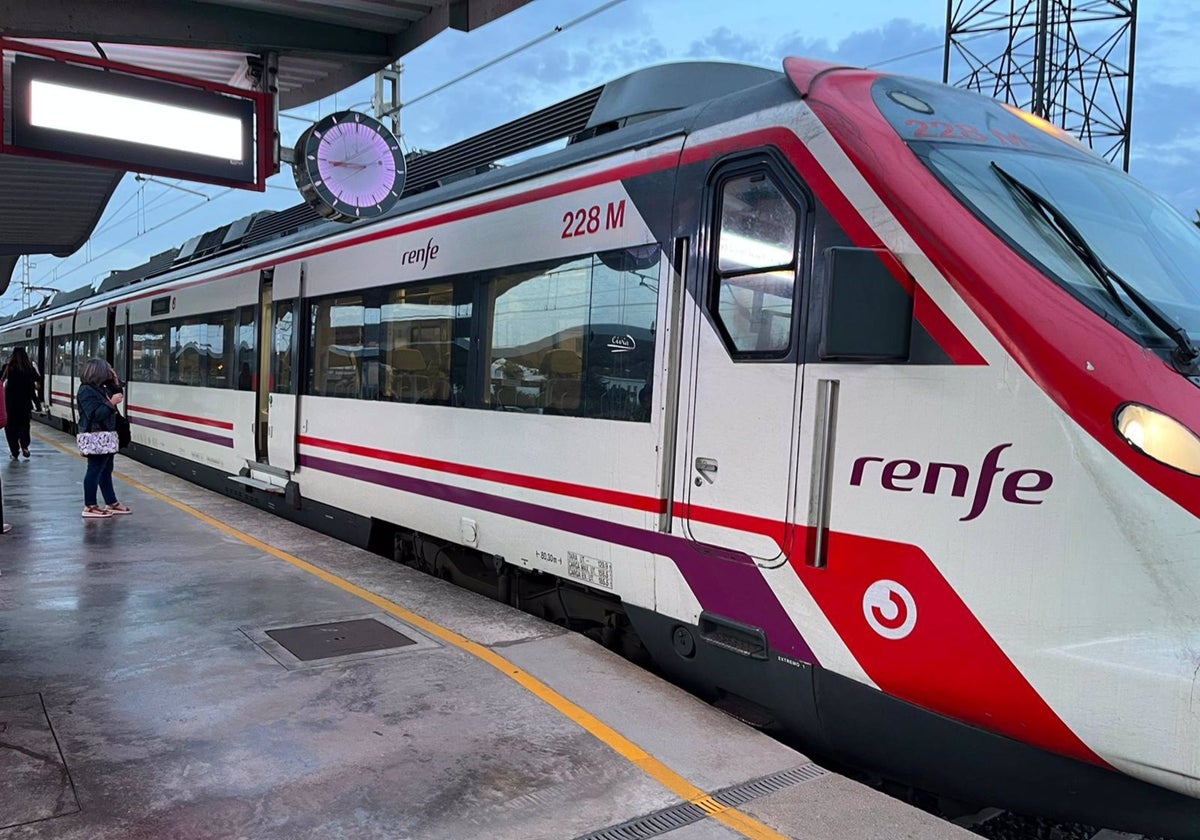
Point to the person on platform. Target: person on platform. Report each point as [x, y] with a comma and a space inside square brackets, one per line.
[97, 404]
[4, 526]
[22, 394]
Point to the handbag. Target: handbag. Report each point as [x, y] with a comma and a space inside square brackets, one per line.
[123, 435]
[97, 443]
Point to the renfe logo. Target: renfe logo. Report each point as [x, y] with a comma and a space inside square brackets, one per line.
[904, 475]
[890, 609]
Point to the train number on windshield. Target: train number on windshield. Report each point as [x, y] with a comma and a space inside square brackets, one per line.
[593, 219]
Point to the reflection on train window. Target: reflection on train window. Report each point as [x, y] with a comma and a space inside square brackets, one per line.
[119, 355]
[756, 266]
[151, 352]
[338, 348]
[199, 350]
[284, 339]
[573, 338]
[402, 344]
[247, 361]
[62, 355]
[421, 361]
[87, 345]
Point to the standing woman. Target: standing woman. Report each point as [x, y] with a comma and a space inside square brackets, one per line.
[98, 413]
[4, 526]
[22, 387]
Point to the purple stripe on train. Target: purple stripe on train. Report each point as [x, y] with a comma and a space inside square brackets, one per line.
[182, 430]
[726, 583]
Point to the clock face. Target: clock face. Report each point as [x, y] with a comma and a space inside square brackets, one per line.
[349, 167]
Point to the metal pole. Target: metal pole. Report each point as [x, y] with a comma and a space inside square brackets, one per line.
[949, 41]
[1040, 60]
[1129, 88]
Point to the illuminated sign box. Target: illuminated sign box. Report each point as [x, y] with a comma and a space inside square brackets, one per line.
[144, 124]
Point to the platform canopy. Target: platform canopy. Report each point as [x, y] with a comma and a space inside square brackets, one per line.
[323, 46]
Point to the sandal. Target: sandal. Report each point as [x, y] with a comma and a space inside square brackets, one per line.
[119, 509]
[94, 512]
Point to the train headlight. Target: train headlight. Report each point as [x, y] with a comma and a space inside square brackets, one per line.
[1155, 434]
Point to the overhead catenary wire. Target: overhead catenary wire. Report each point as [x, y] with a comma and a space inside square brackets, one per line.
[161, 201]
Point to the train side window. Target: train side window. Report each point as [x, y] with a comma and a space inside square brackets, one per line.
[62, 355]
[755, 265]
[246, 352]
[119, 353]
[199, 350]
[151, 352]
[574, 337]
[283, 348]
[422, 361]
[338, 349]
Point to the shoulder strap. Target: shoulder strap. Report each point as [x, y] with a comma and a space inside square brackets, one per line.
[86, 416]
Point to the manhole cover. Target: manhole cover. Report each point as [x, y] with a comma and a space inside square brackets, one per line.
[339, 638]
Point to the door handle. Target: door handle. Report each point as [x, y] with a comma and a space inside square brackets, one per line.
[707, 467]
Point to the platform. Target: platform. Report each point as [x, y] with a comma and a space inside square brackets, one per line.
[202, 669]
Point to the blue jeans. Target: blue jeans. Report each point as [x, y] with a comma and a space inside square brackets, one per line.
[99, 474]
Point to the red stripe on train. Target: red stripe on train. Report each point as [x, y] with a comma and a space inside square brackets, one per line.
[188, 418]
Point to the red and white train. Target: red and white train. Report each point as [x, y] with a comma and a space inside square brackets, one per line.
[867, 406]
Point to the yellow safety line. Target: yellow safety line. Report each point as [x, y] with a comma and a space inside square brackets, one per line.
[744, 824]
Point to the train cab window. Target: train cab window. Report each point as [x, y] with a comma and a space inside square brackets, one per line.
[755, 266]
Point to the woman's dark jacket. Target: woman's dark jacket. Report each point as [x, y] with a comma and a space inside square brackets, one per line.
[21, 394]
[96, 413]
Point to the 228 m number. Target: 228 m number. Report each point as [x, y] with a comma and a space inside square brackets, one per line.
[587, 220]
[963, 131]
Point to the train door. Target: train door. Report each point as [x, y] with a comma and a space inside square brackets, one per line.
[44, 385]
[266, 326]
[741, 394]
[281, 320]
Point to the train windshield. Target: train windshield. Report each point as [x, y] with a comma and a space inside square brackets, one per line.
[1083, 222]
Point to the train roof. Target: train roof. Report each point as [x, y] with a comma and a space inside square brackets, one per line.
[640, 107]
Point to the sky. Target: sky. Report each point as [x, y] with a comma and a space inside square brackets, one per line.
[459, 84]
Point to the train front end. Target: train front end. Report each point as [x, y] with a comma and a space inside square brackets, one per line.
[1046, 494]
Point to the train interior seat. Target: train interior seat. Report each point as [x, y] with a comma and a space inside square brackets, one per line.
[410, 380]
[563, 370]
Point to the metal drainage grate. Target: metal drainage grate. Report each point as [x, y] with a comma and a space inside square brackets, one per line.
[340, 638]
[677, 816]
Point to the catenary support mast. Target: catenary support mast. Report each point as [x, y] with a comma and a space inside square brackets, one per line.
[1069, 61]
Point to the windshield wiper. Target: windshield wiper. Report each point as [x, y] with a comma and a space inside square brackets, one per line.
[1185, 355]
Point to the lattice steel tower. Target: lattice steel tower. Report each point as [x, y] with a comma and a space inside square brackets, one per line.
[1068, 61]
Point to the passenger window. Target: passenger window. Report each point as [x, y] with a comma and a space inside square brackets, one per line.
[338, 348]
[756, 263]
[198, 351]
[119, 354]
[150, 352]
[575, 337]
[62, 355]
[422, 360]
[247, 361]
[284, 339]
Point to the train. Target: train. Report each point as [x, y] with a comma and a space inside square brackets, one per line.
[862, 406]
